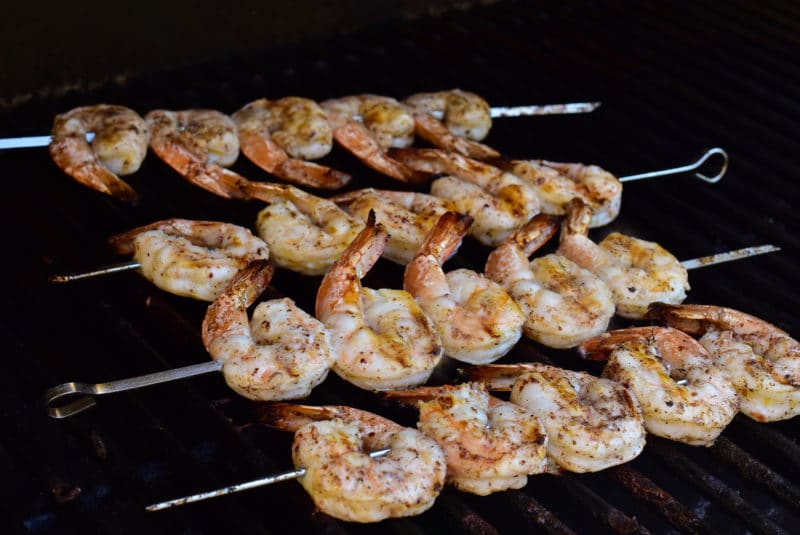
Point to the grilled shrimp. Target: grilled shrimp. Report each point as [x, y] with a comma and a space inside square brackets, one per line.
[333, 444]
[466, 120]
[406, 215]
[592, 423]
[638, 272]
[490, 445]
[282, 353]
[118, 147]
[477, 320]
[498, 202]
[654, 362]
[763, 361]
[563, 303]
[279, 135]
[191, 258]
[198, 144]
[383, 338]
[556, 184]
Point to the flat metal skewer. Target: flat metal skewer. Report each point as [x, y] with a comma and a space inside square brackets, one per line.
[687, 168]
[268, 480]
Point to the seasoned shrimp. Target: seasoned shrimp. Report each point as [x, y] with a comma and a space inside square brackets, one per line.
[383, 338]
[279, 135]
[498, 202]
[490, 445]
[592, 423]
[118, 147]
[282, 353]
[332, 443]
[762, 360]
[191, 258]
[466, 120]
[556, 184]
[638, 272]
[406, 215]
[684, 396]
[563, 303]
[477, 320]
[198, 144]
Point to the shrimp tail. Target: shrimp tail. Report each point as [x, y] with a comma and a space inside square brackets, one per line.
[579, 216]
[535, 233]
[412, 396]
[499, 377]
[88, 171]
[251, 281]
[292, 416]
[446, 236]
[692, 319]
[311, 174]
[435, 132]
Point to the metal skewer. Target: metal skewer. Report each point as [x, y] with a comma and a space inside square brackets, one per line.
[687, 168]
[269, 480]
[502, 111]
[719, 258]
[114, 268]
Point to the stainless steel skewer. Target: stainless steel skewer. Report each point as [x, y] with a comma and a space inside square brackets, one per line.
[687, 168]
[114, 268]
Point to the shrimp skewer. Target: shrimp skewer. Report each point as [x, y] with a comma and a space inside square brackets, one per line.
[683, 394]
[118, 148]
[592, 423]
[762, 360]
[280, 135]
[478, 321]
[331, 444]
[383, 338]
[490, 445]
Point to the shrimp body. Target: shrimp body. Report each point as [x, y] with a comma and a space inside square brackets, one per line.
[638, 272]
[762, 360]
[282, 353]
[650, 361]
[478, 321]
[191, 258]
[383, 338]
[490, 445]
[118, 148]
[391, 123]
[556, 184]
[333, 444]
[279, 135]
[563, 303]
[592, 423]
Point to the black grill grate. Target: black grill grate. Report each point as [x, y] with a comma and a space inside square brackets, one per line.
[672, 82]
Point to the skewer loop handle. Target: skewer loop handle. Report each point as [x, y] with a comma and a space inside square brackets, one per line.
[688, 168]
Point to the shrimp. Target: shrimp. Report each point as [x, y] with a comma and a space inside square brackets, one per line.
[282, 353]
[198, 144]
[383, 338]
[279, 135]
[190, 258]
[407, 216]
[477, 320]
[762, 360]
[466, 120]
[332, 443]
[498, 202]
[683, 394]
[558, 183]
[563, 303]
[592, 423]
[118, 148]
[490, 445]
[638, 272]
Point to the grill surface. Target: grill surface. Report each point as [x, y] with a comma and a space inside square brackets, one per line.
[672, 83]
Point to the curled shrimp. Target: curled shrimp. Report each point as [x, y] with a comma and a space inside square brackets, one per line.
[198, 144]
[490, 445]
[498, 202]
[332, 443]
[191, 258]
[563, 303]
[384, 339]
[683, 394]
[638, 272]
[556, 184]
[592, 423]
[281, 353]
[406, 215]
[118, 148]
[762, 360]
[466, 120]
[279, 135]
[477, 320]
